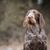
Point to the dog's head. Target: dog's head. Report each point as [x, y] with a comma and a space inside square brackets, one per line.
[33, 17]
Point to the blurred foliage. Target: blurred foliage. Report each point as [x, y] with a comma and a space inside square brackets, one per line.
[12, 13]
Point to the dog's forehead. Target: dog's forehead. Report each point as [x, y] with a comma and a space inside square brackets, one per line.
[30, 13]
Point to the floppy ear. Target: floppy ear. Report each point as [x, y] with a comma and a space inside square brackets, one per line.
[25, 22]
[41, 21]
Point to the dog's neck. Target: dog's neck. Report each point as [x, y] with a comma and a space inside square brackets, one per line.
[34, 29]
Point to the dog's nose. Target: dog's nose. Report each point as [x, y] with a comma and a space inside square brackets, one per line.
[29, 17]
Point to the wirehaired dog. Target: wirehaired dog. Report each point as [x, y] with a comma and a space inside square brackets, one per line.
[35, 37]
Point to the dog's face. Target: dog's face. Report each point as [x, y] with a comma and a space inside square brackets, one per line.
[33, 17]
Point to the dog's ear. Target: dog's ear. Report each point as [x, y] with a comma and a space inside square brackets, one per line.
[41, 21]
[25, 21]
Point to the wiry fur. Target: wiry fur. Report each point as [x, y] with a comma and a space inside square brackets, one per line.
[35, 37]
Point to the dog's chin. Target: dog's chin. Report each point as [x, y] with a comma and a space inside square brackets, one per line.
[31, 23]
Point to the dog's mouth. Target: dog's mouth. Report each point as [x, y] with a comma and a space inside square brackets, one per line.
[31, 22]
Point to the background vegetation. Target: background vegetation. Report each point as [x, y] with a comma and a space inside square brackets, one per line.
[12, 13]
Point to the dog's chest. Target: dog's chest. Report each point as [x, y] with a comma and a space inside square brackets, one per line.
[34, 30]
[32, 33]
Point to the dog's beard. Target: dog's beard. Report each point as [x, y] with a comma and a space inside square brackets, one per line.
[31, 22]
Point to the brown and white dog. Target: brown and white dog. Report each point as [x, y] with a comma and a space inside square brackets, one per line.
[35, 37]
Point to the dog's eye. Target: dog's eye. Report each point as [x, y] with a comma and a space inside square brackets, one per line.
[33, 11]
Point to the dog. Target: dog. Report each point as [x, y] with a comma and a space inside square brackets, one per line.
[35, 37]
